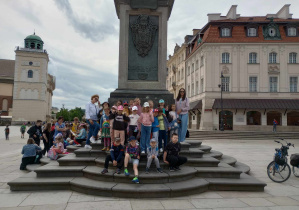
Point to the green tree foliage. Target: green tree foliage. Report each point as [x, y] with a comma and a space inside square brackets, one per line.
[69, 115]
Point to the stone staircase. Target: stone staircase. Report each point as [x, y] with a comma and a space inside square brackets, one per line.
[80, 171]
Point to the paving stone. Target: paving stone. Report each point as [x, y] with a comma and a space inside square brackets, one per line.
[207, 195]
[257, 202]
[246, 208]
[81, 198]
[284, 208]
[17, 208]
[105, 205]
[146, 204]
[44, 198]
[53, 206]
[296, 197]
[218, 203]
[238, 194]
[12, 200]
[281, 190]
[177, 204]
[283, 201]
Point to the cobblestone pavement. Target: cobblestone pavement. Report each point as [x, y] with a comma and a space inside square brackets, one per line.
[256, 154]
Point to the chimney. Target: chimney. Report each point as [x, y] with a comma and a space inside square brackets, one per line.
[213, 16]
[195, 31]
[284, 12]
[232, 13]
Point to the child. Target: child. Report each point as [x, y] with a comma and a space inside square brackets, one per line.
[119, 124]
[116, 156]
[171, 154]
[29, 154]
[132, 156]
[113, 110]
[75, 125]
[7, 132]
[156, 125]
[22, 130]
[126, 108]
[152, 154]
[133, 127]
[174, 126]
[105, 129]
[146, 119]
[81, 136]
[164, 127]
[151, 105]
[59, 148]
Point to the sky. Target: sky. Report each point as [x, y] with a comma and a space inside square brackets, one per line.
[82, 37]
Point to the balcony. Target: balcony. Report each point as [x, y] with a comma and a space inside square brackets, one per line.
[30, 50]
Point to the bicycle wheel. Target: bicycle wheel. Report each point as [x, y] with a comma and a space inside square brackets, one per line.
[278, 173]
[296, 171]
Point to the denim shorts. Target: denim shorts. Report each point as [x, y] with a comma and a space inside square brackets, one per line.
[134, 161]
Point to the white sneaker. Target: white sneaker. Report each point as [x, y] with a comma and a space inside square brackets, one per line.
[92, 140]
[143, 152]
[78, 145]
[88, 147]
[161, 150]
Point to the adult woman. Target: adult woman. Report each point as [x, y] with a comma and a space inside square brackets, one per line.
[29, 152]
[91, 115]
[46, 137]
[182, 108]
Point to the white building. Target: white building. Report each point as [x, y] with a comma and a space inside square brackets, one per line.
[258, 57]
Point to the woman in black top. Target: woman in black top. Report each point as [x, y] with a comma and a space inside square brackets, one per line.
[46, 138]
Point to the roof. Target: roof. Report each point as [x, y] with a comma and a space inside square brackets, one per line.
[257, 104]
[7, 68]
[256, 19]
[34, 37]
[195, 105]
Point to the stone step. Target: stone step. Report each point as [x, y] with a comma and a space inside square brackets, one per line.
[245, 183]
[222, 171]
[228, 160]
[194, 143]
[243, 167]
[59, 171]
[215, 154]
[82, 152]
[32, 167]
[72, 160]
[72, 149]
[205, 148]
[154, 177]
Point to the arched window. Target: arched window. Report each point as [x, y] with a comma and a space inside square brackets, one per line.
[38, 46]
[225, 57]
[293, 57]
[32, 45]
[272, 57]
[5, 105]
[273, 115]
[252, 57]
[30, 74]
[253, 118]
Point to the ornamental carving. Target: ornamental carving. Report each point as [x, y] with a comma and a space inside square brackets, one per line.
[143, 34]
[225, 70]
[273, 69]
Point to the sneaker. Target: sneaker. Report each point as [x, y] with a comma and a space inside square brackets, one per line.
[108, 149]
[171, 169]
[78, 145]
[177, 168]
[135, 180]
[126, 172]
[105, 170]
[87, 147]
[104, 149]
[117, 171]
[92, 140]
[161, 150]
[159, 170]
[147, 170]
[143, 152]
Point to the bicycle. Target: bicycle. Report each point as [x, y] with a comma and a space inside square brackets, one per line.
[279, 170]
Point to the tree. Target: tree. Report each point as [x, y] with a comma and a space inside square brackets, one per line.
[77, 112]
[64, 113]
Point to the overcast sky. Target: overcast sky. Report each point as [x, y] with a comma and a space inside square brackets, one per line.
[81, 37]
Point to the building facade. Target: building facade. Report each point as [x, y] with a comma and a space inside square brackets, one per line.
[28, 84]
[254, 61]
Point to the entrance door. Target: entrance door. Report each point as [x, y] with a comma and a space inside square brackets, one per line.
[227, 120]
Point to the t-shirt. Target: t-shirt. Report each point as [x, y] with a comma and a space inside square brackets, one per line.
[173, 115]
[23, 128]
[155, 124]
[6, 130]
[75, 127]
[56, 131]
[61, 147]
[134, 152]
[133, 119]
[161, 122]
[47, 133]
[173, 149]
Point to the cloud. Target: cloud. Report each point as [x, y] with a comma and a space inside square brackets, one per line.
[87, 27]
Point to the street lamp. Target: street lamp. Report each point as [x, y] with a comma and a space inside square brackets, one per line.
[221, 101]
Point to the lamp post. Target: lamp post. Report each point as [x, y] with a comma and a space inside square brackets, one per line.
[221, 101]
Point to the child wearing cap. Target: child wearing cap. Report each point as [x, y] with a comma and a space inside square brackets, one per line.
[155, 125]
[133, 127]
[146, 119]
[119, 123]
[126, 108]
[132, 156]
[164, 127]
[152, 154]
[105, 129]
[116, 156]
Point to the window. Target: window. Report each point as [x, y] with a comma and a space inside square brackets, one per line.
[167, 83]
[273, 84]
[30, 74]
[32, 45]
[225, 84]
[192, 70]
[293, 58]
[179, 76]
[272, 57]
[292, 31]
[225, 32]
[225, 57]
[189, 95]
[5, 105]
[197, 87]
[252, 58]
[182, 75]
[252, 84]
[201, 86]
[192, 89]
[196, 65]
[293, 84]
[188, 70]
[251, 31]
[201, 61]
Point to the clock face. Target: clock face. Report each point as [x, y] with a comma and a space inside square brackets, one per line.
[272, 32]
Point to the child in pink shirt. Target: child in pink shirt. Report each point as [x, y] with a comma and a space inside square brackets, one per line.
[146, 119]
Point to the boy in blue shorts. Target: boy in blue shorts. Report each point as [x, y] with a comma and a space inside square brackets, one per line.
[132, 156]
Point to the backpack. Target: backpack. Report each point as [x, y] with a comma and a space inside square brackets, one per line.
[52, 155]
[294, 160]
[23, 129]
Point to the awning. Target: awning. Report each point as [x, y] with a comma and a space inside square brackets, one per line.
[257, 104]
[195, 105]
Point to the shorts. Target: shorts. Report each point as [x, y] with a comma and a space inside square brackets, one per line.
[134, 161]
